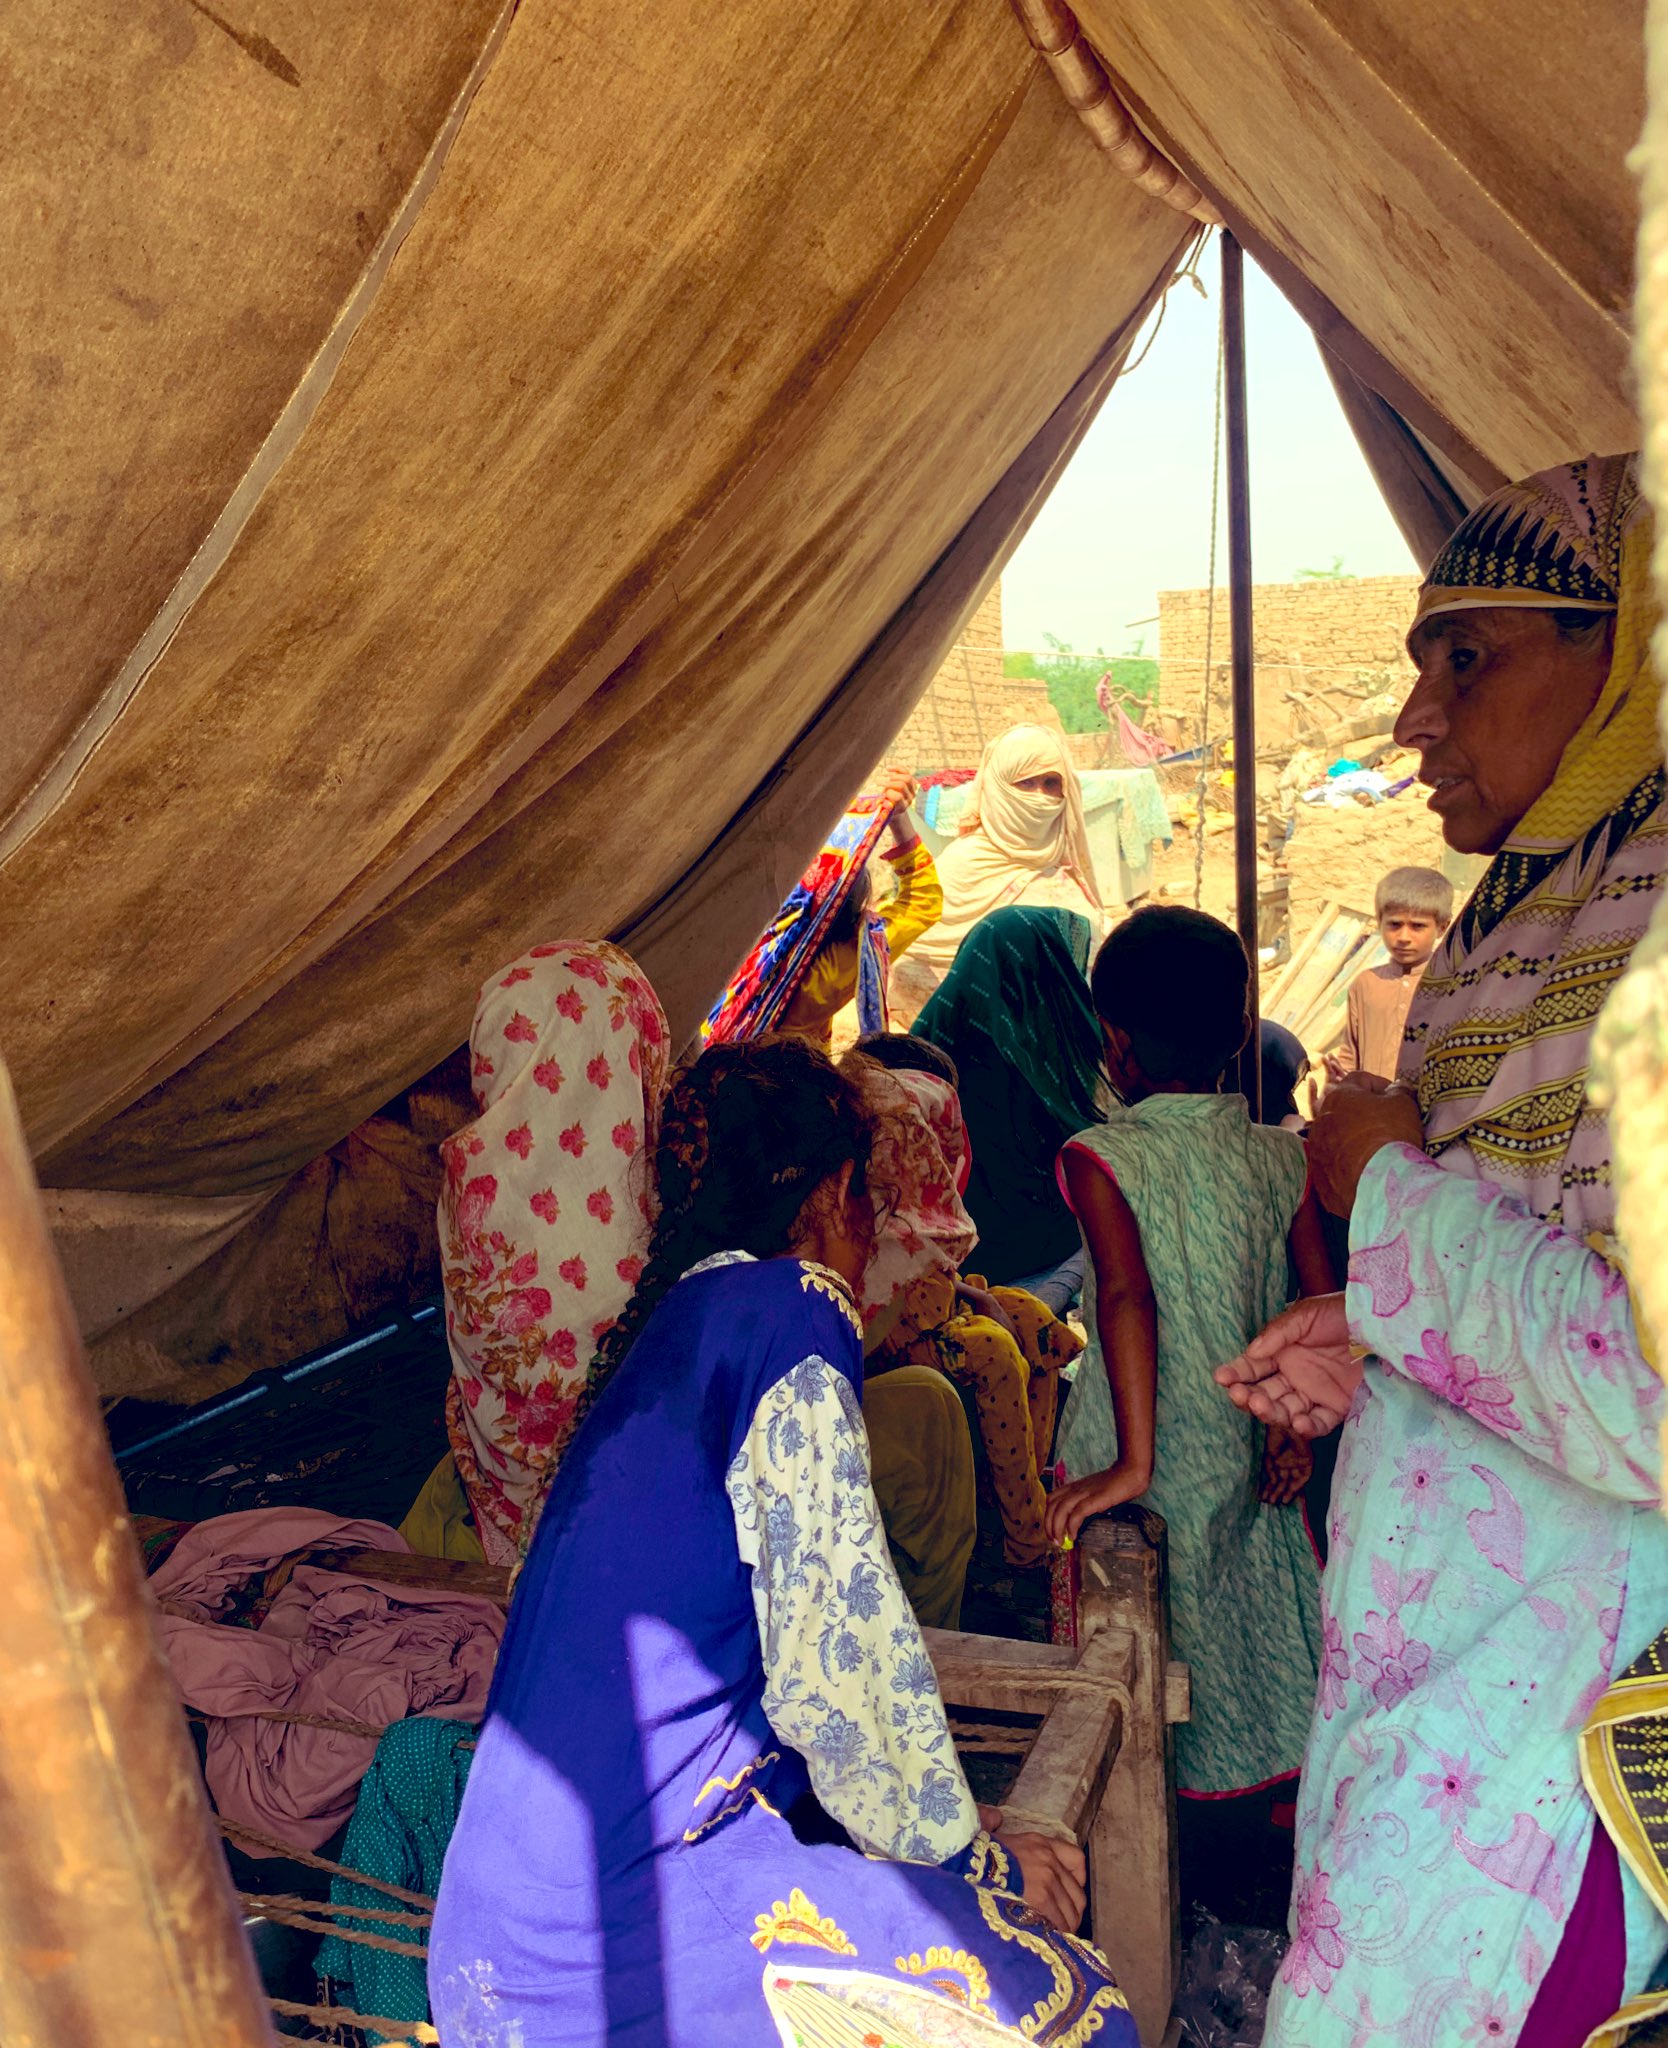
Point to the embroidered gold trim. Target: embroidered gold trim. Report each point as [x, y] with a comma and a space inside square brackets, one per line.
[1071, 2014]
[738, 1784]
[817, 1279]
[795, 1921]
[992, 1865]
[757, 1763]
[973, 1992]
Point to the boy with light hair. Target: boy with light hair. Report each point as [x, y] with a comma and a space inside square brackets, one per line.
[1413, 907]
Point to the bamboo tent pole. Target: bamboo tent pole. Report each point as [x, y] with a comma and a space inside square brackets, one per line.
[1244, 651]
[118, 1924]
[1052, 30]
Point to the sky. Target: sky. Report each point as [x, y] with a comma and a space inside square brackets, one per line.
[1131, 514]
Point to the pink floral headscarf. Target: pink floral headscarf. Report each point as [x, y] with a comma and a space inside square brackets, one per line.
[918, 1170]
[544, 1214]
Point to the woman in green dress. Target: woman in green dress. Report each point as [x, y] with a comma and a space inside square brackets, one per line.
[1014, 1014]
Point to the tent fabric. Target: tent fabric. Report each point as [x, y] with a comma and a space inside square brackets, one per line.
[1425, 499]
[535, 442]
[349, 1237]
[637, 449]
[518, 474]
[187, 218]
[352, 1234]
[1410, 172]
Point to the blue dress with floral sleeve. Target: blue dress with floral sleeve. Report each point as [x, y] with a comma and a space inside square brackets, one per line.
[708, 1637]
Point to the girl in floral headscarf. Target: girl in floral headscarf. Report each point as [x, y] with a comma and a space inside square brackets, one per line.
[544, 1214]
[919, 1314]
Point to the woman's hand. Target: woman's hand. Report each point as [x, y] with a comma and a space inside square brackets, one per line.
[1287, 1465]
[898, 785]
[1300, 1374]
[1071, 1506]
[983, 1303]
[1053, 1874]
[1357, 1117]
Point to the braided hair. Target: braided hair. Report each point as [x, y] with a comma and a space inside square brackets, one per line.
[747, 1134]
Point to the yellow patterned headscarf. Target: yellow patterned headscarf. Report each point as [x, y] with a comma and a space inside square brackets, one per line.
[1554, 538]
[1501, 1027]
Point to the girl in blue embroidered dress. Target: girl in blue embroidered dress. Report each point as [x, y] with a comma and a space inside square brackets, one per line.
[712, 1692]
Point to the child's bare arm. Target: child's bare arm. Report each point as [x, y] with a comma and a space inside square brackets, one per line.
[1127, 1316]
[1307, 1242]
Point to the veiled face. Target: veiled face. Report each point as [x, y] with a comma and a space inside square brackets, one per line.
[1500, 695]
[1045, 785]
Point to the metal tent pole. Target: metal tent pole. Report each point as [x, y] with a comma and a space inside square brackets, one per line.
[1244, 648]
[118, 1924]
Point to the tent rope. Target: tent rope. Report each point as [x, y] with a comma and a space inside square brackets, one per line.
[1189, 270]
[261, 1903]
[310, 1923]
[401, 2032]
[1210, 624]
[236, 1831]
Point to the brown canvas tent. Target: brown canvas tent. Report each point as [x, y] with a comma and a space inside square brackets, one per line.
[507, 472]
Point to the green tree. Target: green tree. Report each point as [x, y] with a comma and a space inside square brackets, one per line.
[1071, 679]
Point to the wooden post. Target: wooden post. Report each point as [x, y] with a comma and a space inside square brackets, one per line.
[118, 1924]
[1244, 647]
[1134, 1881]
[1063, 1780]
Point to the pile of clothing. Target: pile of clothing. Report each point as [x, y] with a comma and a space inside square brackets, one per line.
[264, 1646]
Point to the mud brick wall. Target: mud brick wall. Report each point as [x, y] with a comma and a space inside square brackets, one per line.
[970, 701]
[1335, 631]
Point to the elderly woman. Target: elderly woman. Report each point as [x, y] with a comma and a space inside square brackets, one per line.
[1497, 1551]
[1023, 840]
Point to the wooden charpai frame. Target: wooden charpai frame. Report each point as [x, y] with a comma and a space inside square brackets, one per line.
[122, 1927]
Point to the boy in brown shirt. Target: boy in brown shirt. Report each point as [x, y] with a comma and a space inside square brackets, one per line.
[1413, 906]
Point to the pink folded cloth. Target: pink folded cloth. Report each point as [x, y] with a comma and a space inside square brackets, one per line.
[340, 1648]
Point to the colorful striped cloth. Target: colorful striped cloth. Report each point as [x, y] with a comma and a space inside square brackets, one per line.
[765, 983]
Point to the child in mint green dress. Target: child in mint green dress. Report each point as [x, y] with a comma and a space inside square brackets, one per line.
[1189, 1211]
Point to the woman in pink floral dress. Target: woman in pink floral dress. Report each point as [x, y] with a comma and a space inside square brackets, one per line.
[544, 1214]
[1498, 1557]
